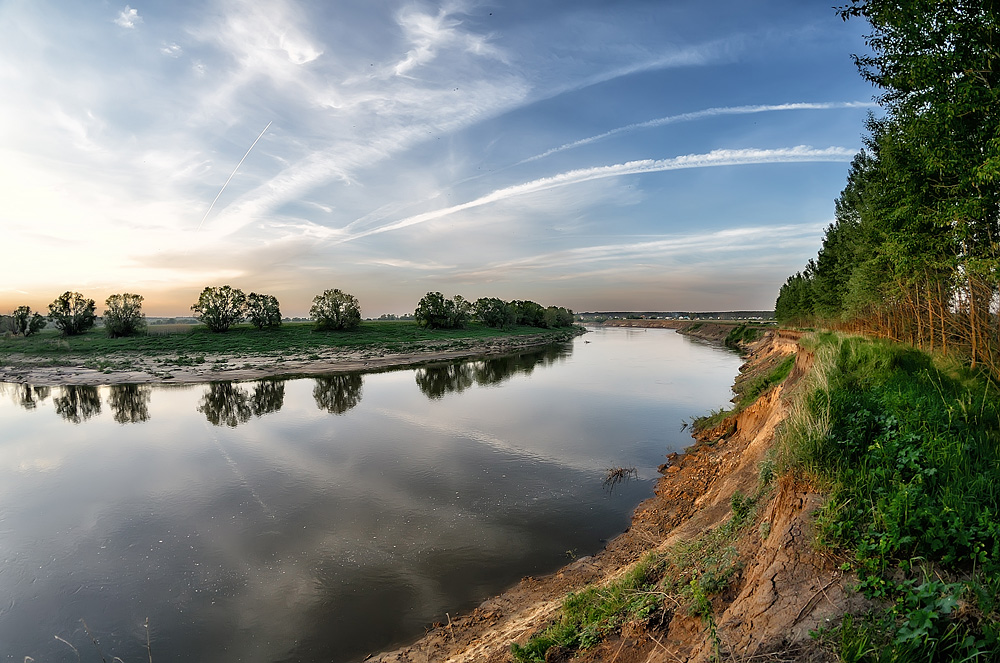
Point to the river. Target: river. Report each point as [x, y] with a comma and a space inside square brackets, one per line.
[324, 518]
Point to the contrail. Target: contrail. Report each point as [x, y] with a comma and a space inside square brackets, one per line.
[697, 115]
[231, 177]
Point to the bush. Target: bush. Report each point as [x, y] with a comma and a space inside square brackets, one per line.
[123, 315]
[220, 308]
[263, 311]
[23, 321]
[72, 313]
[335, 309]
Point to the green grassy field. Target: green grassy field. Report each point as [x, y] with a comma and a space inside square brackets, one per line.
[291, 339]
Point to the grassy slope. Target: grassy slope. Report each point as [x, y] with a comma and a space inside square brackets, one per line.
[244, 340]
[909, 446]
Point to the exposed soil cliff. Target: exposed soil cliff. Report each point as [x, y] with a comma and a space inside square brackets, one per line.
[780, 590]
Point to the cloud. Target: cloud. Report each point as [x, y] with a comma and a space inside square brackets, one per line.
[429, 34]
[172, 49]
[128, 18]
[698, 115]
[716, 158]
[628, 254]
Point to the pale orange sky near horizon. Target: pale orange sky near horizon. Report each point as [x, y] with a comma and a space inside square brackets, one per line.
[598, 156]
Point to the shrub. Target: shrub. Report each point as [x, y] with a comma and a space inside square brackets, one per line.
[220, 308]
[26, 323]
[123, 315]
[335, 309]
[263, 311]
[72, 313]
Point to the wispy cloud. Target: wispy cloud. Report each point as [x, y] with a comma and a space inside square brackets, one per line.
[744, 239]
[716, 158]
[699, 115]
[128, 18]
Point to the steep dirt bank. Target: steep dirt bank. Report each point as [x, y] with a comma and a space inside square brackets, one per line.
[781, 588]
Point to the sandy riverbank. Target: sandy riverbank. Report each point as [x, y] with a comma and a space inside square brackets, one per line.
[137, 369]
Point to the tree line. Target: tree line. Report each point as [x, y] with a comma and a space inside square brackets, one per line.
[914, 251]
[221, 307]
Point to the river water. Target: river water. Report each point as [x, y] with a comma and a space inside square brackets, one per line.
[324, 518]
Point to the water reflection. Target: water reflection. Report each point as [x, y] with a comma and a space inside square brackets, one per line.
[338, 393]
[78, 403]
[436, 381]
[268, 396]
[130, 402]
[29, 396]
[226, 404]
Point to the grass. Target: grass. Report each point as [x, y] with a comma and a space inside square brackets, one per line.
[745, 333]
[687, 577]
[192, 343]
[909, 448]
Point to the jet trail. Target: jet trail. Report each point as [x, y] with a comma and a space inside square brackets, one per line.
[233, 174]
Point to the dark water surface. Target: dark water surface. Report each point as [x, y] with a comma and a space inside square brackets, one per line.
[322, 519]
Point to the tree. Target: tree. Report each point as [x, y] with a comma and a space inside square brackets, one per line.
[436, 312]
[263, 311]
[26, 323]
[494, 312]
[72, 313]
[529, 313]
[220, 308]
[123, 315]
[335, 309]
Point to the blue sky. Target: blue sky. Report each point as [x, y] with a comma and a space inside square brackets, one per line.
[631, 155]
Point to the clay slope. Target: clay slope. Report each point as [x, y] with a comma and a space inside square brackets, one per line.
[784, 588]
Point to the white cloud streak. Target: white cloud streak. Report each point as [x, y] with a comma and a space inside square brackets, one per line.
[699, 115]
[731, 239]
[716, 158]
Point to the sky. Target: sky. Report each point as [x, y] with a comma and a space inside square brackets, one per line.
[598, 155]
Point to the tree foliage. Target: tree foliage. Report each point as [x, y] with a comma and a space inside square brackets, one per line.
[436, 312]
[26, 323]
[263, 311]
[72, 313]
[123, 315]
[494, 312]
[914, 251]
[335, 309]
[219, 308]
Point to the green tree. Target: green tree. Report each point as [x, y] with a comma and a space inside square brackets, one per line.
[219, 308]
[529, 313]
[123, 315]
[436, 312]
[335, 309]
[263, 311]
[26, 323]
[494, 312]
[72, 313]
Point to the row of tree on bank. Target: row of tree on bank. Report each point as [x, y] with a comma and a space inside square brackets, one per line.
[437, 312]
[914, 252]
[220, 307]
